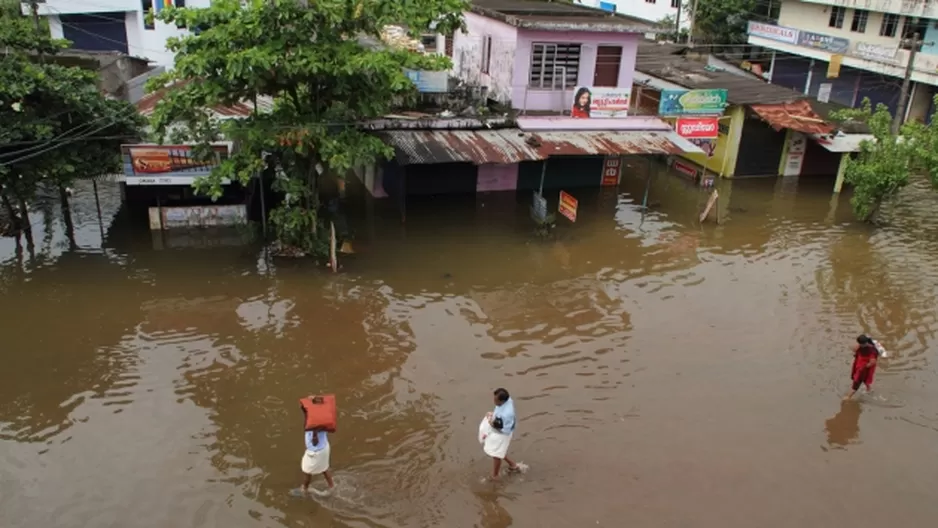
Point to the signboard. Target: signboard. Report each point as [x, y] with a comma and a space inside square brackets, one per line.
[539, 208]
[768, 31]
[833, 67]
[685, 169]
[567, 206]
[869, 51]
[600, 102]
[698, 127]
[824, 92]
[612, 170]
[709, 146]
[797, 144]
[692, 102]
[818, 41]
[197, 216]
[167, 164]
[429, 81]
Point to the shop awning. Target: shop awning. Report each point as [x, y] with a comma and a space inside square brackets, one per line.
[504, 146]
[797, 116]
[842, 142]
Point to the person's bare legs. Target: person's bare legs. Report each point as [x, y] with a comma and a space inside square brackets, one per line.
[328, 476]
[496, 467]
[307, 478]
[511, 464]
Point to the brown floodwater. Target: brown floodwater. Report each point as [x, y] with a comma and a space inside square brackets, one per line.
[665, 374]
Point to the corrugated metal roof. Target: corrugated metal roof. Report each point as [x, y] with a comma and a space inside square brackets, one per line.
[425, 147]
[148, 103]
[666, 63]
[797, 116]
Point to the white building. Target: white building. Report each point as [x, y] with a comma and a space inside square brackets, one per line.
[651, 10]
[113, 25]
[872, 39]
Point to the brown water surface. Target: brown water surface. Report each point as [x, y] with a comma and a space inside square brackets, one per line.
[665, 375]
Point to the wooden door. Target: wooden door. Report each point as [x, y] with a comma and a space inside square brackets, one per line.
[608, 61]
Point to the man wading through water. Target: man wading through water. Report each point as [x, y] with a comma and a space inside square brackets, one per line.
[497, 436]
[316, 458]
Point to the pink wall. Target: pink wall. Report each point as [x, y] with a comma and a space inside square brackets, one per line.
[493, 177]
[468, 50]
[523, 97]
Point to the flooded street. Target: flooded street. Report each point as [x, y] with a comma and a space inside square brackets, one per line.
[665, 374]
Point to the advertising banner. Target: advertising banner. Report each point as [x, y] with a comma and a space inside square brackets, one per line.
[167, 164]
[698, 127]
[600, 102]
[692, 102]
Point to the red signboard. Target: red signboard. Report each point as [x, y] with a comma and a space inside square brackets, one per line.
[698, 127]
[612, 168]
[685, 169]
[567, 206]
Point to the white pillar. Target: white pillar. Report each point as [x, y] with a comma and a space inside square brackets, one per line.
[807, 83]
[771, 68]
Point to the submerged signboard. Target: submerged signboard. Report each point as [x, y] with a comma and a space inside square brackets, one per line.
[168, 164]
[692, 102]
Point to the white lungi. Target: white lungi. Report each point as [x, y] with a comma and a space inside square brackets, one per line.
[494, 443]
[315, 462]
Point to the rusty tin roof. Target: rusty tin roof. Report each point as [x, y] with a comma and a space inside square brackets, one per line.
[504, 146]
[798, 115]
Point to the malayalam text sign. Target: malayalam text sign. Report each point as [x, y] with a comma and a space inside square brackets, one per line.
[698, 127]
[692, 102]
[612, 169]
[567, 206]
[595, 101]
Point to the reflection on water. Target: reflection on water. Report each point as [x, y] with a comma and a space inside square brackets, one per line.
[844, 427]
[666, 373]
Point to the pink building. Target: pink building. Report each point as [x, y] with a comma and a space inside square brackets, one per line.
[534, 55]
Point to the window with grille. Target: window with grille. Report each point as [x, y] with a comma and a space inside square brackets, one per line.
[837, 17]
[554, 66]
[889, 25]
[650, 1]
[860, 18]
[675, 4]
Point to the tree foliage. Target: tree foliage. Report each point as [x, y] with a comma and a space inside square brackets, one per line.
[884, 165]
[56, 125]
[722, 21]
[321, 63]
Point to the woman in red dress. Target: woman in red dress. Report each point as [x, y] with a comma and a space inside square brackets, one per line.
[865, 355]
[581, 103]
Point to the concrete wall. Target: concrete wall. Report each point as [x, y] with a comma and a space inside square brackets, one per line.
[558, 100]
[468, 49]
[815, 17]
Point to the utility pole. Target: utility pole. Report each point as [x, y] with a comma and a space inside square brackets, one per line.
[677, 22]
[904, 95]
[693, 20]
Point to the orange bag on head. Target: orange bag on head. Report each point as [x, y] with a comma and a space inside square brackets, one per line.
[320, 415]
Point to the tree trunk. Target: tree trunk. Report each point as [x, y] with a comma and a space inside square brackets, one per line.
[25, 227]
[14, 216]
[67, 216]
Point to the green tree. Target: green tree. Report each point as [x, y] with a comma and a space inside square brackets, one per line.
[884, 165]
[56, 125]
[322, 63]
[722, 21]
